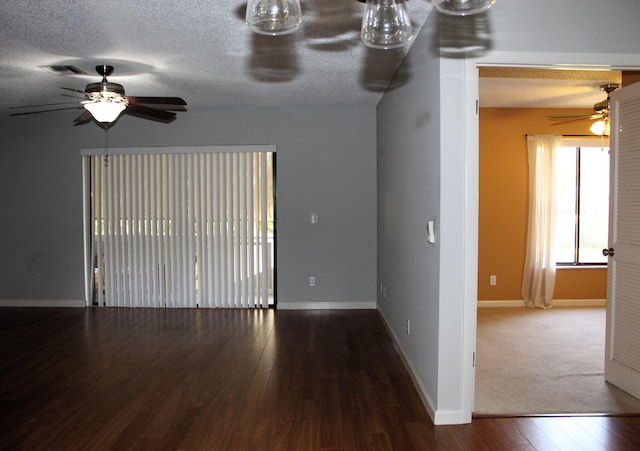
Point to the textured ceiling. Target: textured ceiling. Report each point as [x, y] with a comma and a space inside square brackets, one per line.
[201, 51]
[539, 88]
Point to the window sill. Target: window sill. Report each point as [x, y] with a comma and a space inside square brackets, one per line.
[581, 267]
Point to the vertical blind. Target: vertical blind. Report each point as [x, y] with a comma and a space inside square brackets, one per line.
[180, 229]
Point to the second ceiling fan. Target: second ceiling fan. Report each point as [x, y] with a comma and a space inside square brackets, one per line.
[600, 113]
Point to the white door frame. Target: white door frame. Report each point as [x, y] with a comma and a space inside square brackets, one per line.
[466, 149]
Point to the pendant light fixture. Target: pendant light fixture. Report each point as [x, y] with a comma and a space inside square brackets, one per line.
[462, 7]
[273, 17]
[386, 24]
[106, 110]
[600, 127]
[106, 100]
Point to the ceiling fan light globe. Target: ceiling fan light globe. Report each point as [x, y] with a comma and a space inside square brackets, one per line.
[386, 24]
[274, 17]
[600, 128]
[104, 111]
[462, 7]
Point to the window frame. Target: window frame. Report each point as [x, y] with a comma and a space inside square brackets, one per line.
[579, 143]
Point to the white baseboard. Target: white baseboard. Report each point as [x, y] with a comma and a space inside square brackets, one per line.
[556, 303]
[422, 392]
[41, 303]
[365, 305]
[448, 417]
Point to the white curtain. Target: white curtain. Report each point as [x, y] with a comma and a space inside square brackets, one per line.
[540, 266]
[180, 229]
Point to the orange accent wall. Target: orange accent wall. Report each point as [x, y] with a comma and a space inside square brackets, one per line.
[503, 204]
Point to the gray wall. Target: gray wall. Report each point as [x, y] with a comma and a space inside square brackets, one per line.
[583, 26]
[408, 197]
[326, 165]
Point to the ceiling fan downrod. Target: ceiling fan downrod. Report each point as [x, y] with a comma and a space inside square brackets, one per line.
[105, 88]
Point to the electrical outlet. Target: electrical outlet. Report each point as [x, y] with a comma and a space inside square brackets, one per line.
[384, 291]
[492, 280]
[312, 281]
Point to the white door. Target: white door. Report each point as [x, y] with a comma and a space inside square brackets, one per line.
[622, 353]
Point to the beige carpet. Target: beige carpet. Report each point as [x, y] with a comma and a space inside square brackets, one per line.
[544, 362]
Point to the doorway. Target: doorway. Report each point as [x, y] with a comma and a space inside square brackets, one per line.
[505, 276]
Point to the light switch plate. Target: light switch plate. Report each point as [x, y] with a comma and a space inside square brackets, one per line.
[431, 232]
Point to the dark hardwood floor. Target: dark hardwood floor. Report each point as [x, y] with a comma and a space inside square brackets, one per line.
[93, 379]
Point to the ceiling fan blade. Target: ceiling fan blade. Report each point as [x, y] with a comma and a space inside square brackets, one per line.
[566, 121]
[46, 111]
[74, 90]
[84, 118]
[157, 100]
[41, 105]
[150, 113]
[78, 98]
[164, 103]
[565, 116]
[162, 107]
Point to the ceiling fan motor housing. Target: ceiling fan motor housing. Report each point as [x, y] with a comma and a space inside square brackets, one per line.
[600, 106]
[604, 105]
[104, 89]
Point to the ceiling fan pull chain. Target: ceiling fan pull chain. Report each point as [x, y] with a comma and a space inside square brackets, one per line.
[106, 146]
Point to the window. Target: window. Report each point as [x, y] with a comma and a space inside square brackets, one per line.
[582, 217]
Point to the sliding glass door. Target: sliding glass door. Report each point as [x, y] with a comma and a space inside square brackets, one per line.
[180, 227]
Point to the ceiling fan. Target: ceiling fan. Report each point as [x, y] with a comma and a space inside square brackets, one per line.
[600, 112]
[105, 102]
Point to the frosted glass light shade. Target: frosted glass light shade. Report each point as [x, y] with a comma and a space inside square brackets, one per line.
[386, 24]
[462, 7]
[600, 128]
[273, 17]
[105, 110]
